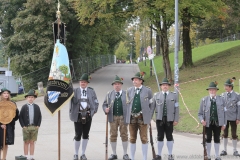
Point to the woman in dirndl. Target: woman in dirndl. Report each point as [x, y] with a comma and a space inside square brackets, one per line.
[10, 127]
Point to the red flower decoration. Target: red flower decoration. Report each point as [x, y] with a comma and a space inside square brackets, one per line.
[216, 82]
[89, 78]
[122, 79]
[142, 73]
[231, 80]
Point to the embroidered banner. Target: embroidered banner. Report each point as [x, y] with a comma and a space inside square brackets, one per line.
[59, 87]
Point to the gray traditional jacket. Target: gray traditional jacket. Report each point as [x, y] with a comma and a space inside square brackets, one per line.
[145, 98]
[232, 105]
[109, 102]
[171, 103]
[204, 110]
[75, 103]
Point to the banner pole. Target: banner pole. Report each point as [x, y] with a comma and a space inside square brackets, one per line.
[59, 135]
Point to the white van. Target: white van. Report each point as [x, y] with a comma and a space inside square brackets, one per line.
[8, 81]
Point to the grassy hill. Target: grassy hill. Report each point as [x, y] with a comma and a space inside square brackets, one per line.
[220, 63]
[198, 54]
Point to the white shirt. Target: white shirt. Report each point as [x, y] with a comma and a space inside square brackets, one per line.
[139, 89]
[165, 92]
[83, 104]
[31, 113]
[120, 92]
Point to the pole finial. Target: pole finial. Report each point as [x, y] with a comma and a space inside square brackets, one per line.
[58, 11]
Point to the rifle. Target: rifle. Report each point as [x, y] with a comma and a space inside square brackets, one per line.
[204, 134]
[151, 141]
[106, 141]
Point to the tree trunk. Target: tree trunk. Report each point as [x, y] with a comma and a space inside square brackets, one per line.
[158, 44]
[187, 47]
[163, 62]
[165, 52]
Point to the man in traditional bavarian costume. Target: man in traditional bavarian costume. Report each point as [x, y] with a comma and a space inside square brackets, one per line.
[138, 113]
[166, 107]
[232, 102]
[84, 105]
[212, 115]
[116, 107]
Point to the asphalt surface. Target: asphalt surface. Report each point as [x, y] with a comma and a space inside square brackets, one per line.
[186, 146]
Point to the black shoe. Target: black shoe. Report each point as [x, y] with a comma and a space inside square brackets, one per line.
[223, 153]
[83, 157]
[158, 157]
[75, 157]
[112, 157]
[218, 158]
[170, 157]
[126, 157]
[236, 153]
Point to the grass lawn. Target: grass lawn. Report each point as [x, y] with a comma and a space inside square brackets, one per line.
[198, 54]
[219, 65]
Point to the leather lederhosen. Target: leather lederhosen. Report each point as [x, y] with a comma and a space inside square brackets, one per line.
[84, 114]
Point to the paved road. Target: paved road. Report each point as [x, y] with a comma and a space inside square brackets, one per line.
[47, 144]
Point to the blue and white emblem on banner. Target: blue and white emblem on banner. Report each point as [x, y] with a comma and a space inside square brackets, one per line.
[53, 96]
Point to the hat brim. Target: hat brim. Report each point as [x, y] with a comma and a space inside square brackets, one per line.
[30, 95]
[4, 91]
[84, 80]
[137, 78]
[212, 88]
[227, 84]
[117, 82]
[165, 83]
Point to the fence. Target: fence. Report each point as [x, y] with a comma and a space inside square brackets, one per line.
[233, 37]
[77, 67]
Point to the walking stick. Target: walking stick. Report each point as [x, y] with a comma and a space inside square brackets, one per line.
[4, 145]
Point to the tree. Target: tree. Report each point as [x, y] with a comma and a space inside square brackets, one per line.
[121, 51]
[154, 11]
[189, 12]
[64, 69]
[218, 27]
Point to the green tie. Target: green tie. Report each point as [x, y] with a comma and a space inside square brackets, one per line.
[165, 105]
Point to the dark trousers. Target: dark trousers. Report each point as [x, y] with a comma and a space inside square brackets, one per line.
[164, 127]
[82, 130]
[233, 130]
[216, 130]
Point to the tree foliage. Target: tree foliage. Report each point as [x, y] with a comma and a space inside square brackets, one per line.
[26, 30]
[121, 51]
[192, 11]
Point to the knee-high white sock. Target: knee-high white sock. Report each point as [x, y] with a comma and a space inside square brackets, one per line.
[225, 142]
[160, 146]
[234, 142]
[216, 147]
[114, 147]
[144, 151]
[132, 150]
[125, 147]
[84, 145]
[76, 146]
[209, 145]
[170, 147]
